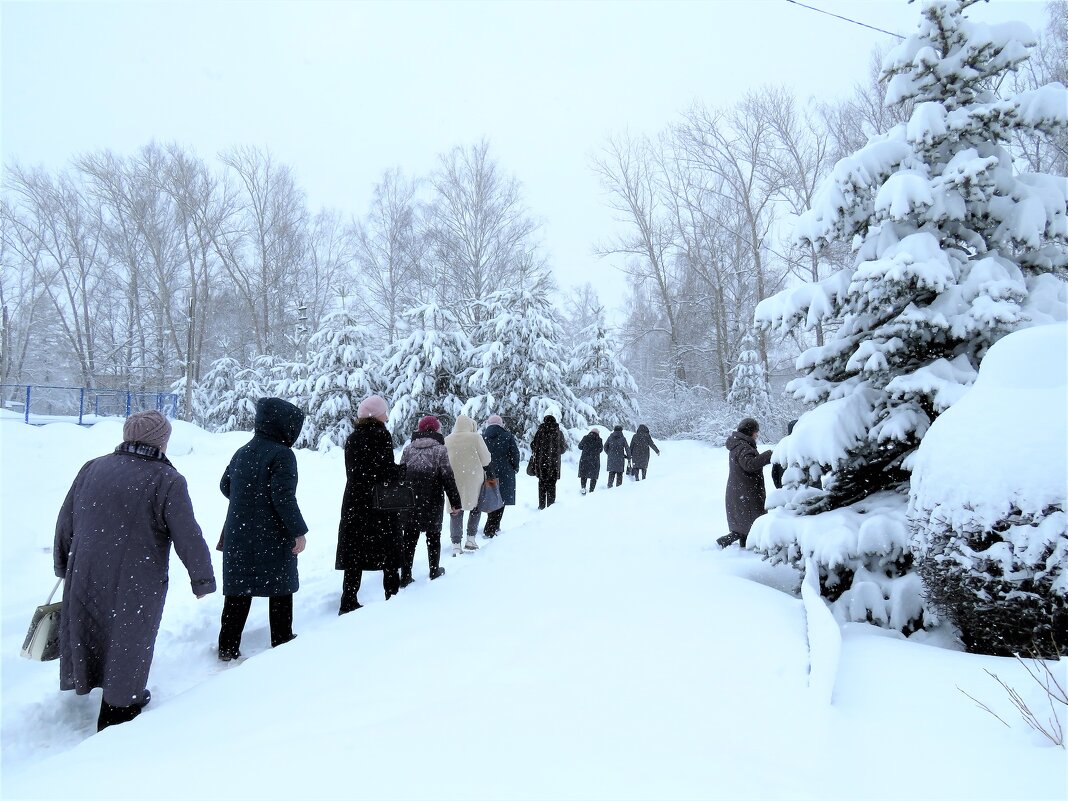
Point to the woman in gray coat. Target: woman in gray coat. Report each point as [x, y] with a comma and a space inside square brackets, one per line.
[618, 455]
[112, 548]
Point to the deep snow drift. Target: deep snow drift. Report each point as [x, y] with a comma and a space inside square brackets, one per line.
[600, 649]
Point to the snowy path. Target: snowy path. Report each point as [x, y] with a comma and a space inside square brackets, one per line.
[600, 649]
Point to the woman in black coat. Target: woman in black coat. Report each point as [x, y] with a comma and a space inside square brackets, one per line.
[546, 449]
[368, 538]
[264, 529]
[745, 483]
[590, 461]
[640, 446]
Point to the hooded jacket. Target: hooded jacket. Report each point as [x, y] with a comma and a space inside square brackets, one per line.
[745, 483]
[591, 447]
[640, 445]
[546, 449]
[263, 521]
[505, 459]
[469, 458]
[618, 452]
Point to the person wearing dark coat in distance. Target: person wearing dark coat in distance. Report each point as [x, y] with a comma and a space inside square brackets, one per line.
[504, 463]
[618, 455]
[745, 483]
[589, 470]
[640, 445]
[112, 549]
[430, 476]
[777, 470]
[368, 538]
[264, 530]
[546, 449]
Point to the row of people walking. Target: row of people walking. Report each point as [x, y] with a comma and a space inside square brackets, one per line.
[125, 509]
[620, 453]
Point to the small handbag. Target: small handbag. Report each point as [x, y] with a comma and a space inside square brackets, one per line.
[42, 639]
[489, 497]
[393, 495]
[531, 469]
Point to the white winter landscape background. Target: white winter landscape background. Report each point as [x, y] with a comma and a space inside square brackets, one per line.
[848, 221]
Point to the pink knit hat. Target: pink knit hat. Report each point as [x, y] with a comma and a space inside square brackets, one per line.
[429, 423]
[374, 406]
[495, 420]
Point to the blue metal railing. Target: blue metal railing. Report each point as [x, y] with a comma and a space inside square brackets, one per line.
[49, 401]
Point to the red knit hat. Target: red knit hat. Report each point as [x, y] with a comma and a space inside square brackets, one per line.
[430, 423]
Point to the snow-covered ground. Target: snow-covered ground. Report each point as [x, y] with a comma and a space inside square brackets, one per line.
[600, 649]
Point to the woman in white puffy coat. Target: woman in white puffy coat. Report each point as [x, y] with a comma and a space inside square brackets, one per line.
[469, 458]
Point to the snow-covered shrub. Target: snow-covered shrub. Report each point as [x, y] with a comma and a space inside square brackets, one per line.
[954, 249]
[342, 370]
[862, 554]
[599, 378]
[518, 365]
[424, 371]
[989, 496]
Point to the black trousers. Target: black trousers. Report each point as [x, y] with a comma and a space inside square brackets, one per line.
[546, 492]
[235, 614]
[640, 473]
[411, 542]
[493, 523]
[350, 587]
[593, 484]
[614, 479]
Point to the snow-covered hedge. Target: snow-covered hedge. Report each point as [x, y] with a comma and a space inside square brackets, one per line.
[862, 554]
[988, 500]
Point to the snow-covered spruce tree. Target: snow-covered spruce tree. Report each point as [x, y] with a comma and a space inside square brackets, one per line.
[953, 250]
[424, 371]
[341, 372]
[598, 377]
[749, 393]
[518, 365]
[228, 393]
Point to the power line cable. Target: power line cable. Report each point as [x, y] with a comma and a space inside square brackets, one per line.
[846, 19]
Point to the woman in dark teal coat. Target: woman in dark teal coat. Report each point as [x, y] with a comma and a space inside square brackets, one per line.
[504, 455]
[264, 529]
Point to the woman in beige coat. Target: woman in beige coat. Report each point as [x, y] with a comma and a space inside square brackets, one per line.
[469, 458]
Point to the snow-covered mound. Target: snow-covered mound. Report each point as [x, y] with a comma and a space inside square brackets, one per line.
[603, 648]
[989, 494]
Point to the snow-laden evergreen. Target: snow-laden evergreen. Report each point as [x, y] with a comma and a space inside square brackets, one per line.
[228, 393]
[341, 372]
[424, 373]
[749, 393]
[599, 378]
[954, 249]
[989, 496]
[518, 360]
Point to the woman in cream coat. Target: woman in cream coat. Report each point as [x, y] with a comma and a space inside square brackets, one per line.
[469, 458]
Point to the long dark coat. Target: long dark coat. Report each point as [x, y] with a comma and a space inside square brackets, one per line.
[640, 445]
[368, 538]
[263, 521]
[546, 449]
[590, 462]
[745, 483]
[112, 547]
[430, 476]
[618, 452]
[505, 460]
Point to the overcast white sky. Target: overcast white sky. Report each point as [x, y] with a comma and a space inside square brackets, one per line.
[344, 90]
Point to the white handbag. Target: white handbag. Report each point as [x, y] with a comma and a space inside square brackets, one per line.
[42, 640]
